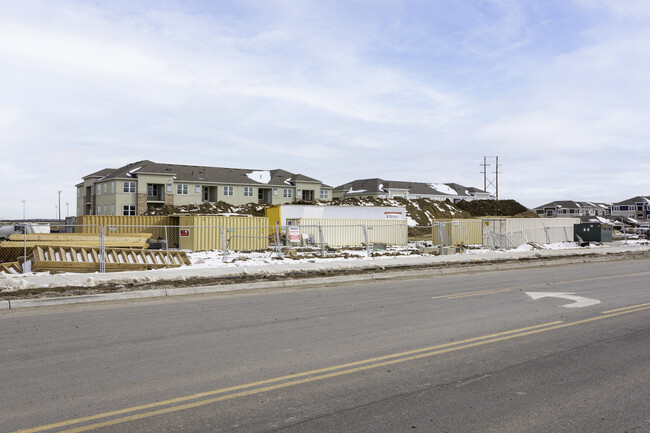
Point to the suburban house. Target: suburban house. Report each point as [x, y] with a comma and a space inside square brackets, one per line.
[637, 208]
[570, 208]
[380, 188]
[136, 187]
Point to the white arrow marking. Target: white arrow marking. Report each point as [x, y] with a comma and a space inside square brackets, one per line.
[579, 301]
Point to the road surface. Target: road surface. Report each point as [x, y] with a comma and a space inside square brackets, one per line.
[554, 348]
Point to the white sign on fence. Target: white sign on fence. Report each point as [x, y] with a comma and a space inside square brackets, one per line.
[294, 234]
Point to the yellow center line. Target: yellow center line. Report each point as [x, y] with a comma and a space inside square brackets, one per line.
[314, 375]
[625, 308]
[271, 380]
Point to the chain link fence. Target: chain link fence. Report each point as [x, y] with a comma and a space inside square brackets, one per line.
[58, 247]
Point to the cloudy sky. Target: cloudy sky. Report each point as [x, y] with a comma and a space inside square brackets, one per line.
[337, 90]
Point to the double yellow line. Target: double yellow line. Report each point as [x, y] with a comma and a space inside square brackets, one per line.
[205, 398]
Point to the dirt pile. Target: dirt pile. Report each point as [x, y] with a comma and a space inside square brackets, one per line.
[211, 208]
[421, 211]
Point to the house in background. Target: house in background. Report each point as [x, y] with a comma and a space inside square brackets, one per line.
[637, 208]
[381, 188]
[570, 208]
[136, 187]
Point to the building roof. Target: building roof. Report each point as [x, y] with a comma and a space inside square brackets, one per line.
[634, 200]
[378, 186]
[192, 173]
[101, 173]
[570, 204]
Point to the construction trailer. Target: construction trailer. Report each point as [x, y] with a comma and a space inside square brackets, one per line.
[280, 214]
[350, 232]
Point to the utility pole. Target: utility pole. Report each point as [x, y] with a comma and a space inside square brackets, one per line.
[60, 205]
[484, 172]
[491, 182]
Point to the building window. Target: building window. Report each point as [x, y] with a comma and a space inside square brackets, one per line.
[182, 189]
[98, 190]
[275, 191]
[228, 190]
[112, 209]
[105, 208]
[105, 188]
[112, 187]
[128, 209]
[152, 190]
[169, 188]
[128, 187]
[324, 194]
[197, 189]
[99, 210]
[287, 193]
[78, 192]
[248, 191]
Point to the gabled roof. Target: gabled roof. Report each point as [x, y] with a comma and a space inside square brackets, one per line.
[378, 186]
[192, 173]
[634, 200]
[101, 173]
[570, 204]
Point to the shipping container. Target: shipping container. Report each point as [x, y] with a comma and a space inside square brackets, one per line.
[457, 232]
[350, 232]
[203, 232]
[119, 224]
[242, 232]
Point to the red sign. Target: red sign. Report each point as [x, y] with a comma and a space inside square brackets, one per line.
[185, 233]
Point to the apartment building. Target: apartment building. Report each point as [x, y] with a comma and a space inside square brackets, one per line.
[139, 186]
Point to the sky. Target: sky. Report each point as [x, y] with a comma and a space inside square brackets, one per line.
[336, 90]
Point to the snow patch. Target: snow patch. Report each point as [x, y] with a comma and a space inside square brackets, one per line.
[445, 189]
[261, 176]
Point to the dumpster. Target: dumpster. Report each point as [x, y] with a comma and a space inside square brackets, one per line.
[592, 232]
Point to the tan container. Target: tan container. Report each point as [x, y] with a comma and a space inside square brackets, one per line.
[203, 233]
[129, 224]
[457, 232]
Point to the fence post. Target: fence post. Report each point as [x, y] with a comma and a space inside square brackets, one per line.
[442, 240]
[365, 236]
[322, 241]
[102, 250]
[224, 244]
[276, 237]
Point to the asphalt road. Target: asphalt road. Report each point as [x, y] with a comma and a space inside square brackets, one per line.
[472, 352]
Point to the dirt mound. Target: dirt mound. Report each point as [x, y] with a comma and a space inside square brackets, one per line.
[481, 208]
[212, 208]
[421, 211]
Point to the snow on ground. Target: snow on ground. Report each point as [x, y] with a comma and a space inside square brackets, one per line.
[339, 258]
